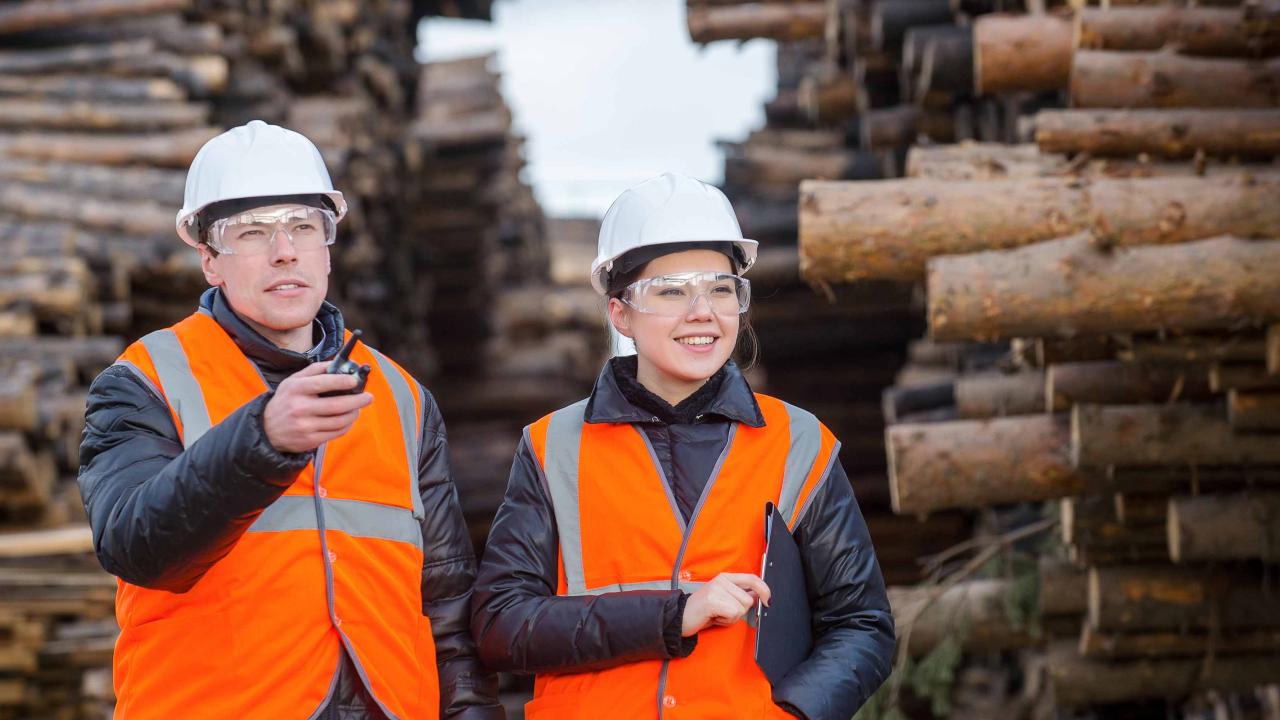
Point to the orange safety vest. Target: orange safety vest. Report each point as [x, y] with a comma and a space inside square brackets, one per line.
[620, 529]
[335, 562]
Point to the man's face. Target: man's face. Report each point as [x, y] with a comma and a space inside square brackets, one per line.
[279, 288]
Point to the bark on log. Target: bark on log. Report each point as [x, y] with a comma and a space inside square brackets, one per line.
[1250, 412]
[890, 20]
[1071, 286]
[1063, 588]
[788, 22]
[173, 150]
[1238, 526]
[1162, 133]
[18, 396]
[986, 396]
[1167, 597]
[1119, 646]
[975, 463]
[1134, 509]
[828, 96]
[890, 228]
[969, 160]
[931, 614]
[899, 402]
[1130, 435]
[141, 218]
[1092, 520]
[89, 355]
[1110, 382]
[893, 127]
[1014, 53]
[1248, 377]
[92, 87]
[945, 61]
[1248, 31]
[1273, 349]
[53, 115]
[104, 181]
[22, 17]
[1194, 349]
[1164, 480]
[1077, 681]
[1103, 78]
[73, 57]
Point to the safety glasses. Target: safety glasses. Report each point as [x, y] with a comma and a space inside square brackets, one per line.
[675, 295]
[252, 233]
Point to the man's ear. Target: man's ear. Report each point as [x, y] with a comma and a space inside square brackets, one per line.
[207, 258]
[620, 318]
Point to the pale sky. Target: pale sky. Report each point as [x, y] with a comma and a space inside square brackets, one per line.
[612, 92]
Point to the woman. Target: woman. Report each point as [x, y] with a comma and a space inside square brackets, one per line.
[621, 565]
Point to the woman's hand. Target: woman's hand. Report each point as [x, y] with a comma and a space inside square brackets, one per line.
[723, 601]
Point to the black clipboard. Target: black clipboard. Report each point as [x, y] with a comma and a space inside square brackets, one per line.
[784, 634]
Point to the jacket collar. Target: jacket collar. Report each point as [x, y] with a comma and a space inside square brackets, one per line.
[733, 401]
[327, 329]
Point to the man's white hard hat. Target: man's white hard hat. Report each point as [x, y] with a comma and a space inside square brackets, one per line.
[667, 209]
[253, 160]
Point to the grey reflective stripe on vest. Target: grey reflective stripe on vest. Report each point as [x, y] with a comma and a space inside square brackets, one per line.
[564, 438]
[178, 383]
[408, 423]
[806, 442]
[356, 518]
[560, 468]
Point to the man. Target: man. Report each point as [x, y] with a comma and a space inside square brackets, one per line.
[288, 546]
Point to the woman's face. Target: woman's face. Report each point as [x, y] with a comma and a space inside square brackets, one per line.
[678, 352]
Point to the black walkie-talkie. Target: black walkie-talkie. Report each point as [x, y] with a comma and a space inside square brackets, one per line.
[342, 365]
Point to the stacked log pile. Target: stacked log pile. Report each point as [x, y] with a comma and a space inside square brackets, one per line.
[1102, 310]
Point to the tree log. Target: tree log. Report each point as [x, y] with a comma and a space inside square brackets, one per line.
[22, 17]
[1154, 480]
[1194, 349]
[1078, 681]
[890, 20]
[892, 127]
[18, 396]
[1063, 588]
[899, 402]
[1254, 411]
[1238, 526]
[942, 62]
[828, 96]
[986, 396]
[975, 463]
[1103, 78]
[1071, 286]
[88, 355]
[789, 21]
[931, 614]
[890, 228]
[92, 87]
[74, 57]
[1166, 597]
[141, 218]
[1250, 31]
[1129, 435]
[1241, 376]
[174, 149]
[1118, 646]
[1092, 520]
[1162, 133]
[104, 181]
[1014, 53]
[1110, 382]
[1273, 349]
[99, 116]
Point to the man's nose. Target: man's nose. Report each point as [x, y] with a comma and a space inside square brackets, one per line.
[282, 250]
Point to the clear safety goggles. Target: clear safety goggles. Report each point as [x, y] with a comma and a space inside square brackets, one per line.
[252, 233]
[675, 295]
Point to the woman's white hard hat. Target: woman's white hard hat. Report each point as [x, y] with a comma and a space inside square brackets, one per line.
[664, 210]
[253, 160]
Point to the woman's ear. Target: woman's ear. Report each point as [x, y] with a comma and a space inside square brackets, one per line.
[620, 318]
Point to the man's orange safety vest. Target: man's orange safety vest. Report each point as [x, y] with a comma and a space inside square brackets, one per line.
[335, 562]
[620, 529]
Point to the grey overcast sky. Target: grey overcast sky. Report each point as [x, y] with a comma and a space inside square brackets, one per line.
[611, 92]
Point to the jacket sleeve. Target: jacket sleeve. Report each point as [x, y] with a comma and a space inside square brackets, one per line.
[520, 623]
[162, 516]
[467, 688]
[853, 625]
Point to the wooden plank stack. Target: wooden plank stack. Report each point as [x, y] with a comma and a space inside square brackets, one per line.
[1102, 309]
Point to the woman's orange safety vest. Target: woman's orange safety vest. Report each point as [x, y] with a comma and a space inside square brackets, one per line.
[334, 562]
[620, 529]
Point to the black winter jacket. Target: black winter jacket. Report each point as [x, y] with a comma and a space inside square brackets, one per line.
[521, 625]
[162, 516]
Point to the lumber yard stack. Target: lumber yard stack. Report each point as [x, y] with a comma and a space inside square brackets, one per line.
[1101, 362]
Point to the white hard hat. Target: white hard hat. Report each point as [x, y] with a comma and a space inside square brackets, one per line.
[254, 160]
[667, 209]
